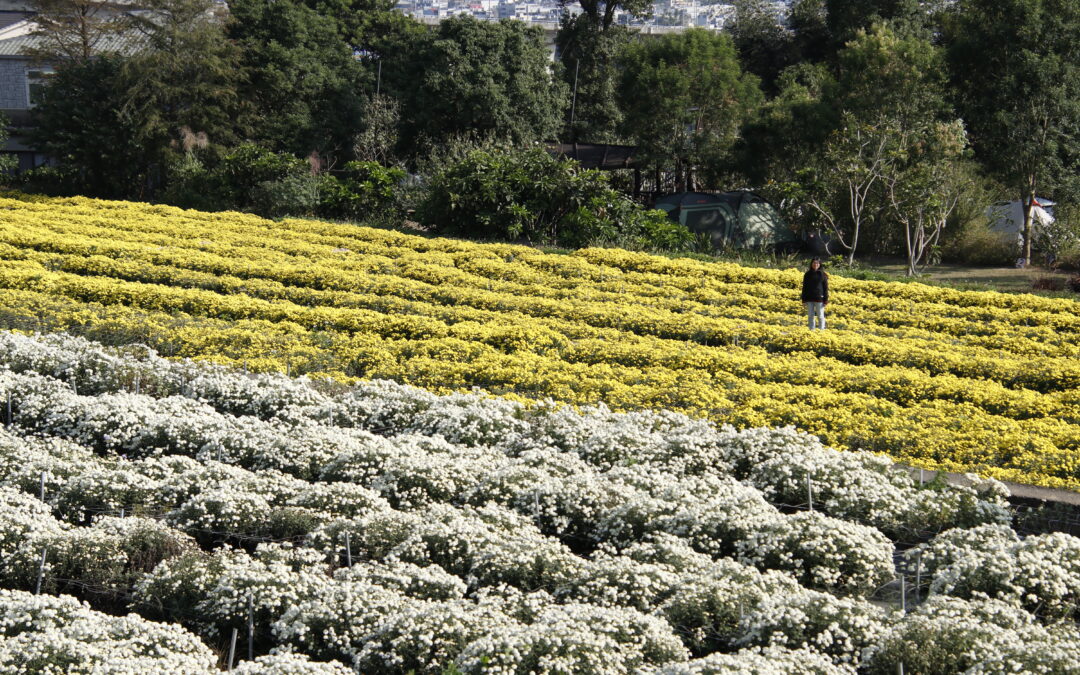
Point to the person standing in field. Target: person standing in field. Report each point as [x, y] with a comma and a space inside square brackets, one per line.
[815, 294]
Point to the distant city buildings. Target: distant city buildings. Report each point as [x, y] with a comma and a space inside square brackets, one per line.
[666, 13]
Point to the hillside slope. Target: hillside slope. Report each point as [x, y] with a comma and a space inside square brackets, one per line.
[964, 381]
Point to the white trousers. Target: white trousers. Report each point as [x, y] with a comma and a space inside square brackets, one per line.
[815, 310]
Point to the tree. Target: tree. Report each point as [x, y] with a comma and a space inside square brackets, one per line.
[78, 123]
[302, 78]
[74, 31]
[602, 13]
[371, 27]
[479, 77]
[588, 43]
[883, 72]
[685, 98]
[588, 53]
[923, 183]
[880, 162]
[808, 22]
[1015, 66]
[185, 79]
[764, 44]
[790, 130]
[840, 187]
[375, 142]
[847, 17]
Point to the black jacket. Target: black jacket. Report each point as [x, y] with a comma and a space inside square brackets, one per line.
[815, 286]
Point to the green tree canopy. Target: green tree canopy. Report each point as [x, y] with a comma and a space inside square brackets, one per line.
[685, 98]
[303, 81]
[1015, 67]
[790, 129]
[588, 53]
[469, 76]
[368, 26]
[185, 79]
[78, 123]
[897, 75]
[847, 17]
[766, 47]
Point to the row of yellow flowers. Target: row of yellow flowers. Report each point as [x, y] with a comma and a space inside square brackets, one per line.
[572, 317]
[508, 269]
[246, 268]
[312, 239]
[935, 376]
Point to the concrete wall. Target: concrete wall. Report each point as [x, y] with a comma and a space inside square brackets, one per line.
[13, 84]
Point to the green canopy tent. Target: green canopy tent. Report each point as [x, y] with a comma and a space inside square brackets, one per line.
[739, 219]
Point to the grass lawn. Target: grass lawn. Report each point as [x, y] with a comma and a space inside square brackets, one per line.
[1002, 279]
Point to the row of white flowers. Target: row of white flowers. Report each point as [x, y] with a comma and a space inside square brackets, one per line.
[59, 635]
[564, 496]
[1040, 573]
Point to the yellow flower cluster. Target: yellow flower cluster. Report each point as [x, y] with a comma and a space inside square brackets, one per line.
[937, 377]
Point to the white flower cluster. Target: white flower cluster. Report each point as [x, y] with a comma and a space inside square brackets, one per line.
[486, 545]
[290, 663]
[575, 638]
[758, 661]
[794, 468]
[950, 635]
[57, 634]
[841, 628]
[220, 590]
[823, 552]
[1040, 573]
[105, 558]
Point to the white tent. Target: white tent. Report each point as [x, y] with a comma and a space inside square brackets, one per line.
[1008, 217]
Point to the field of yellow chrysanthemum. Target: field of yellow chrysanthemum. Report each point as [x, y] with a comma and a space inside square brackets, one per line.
[941, 378]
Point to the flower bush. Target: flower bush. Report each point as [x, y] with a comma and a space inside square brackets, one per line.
[841, 628]
[1040, 573]
[290, 663]
[823, 552]
[57, 634]
[758, 661]
[950, 635]
[575, 638]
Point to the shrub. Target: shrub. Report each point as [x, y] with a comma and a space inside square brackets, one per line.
[575, 638]
[289, 663]
[757, 661]
[839, 627]
[528, 194]
[977, 244]
[45, 634]
[711, 600]
[948, 635]
[363, 191]
[1040, 573]
[823, 552]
